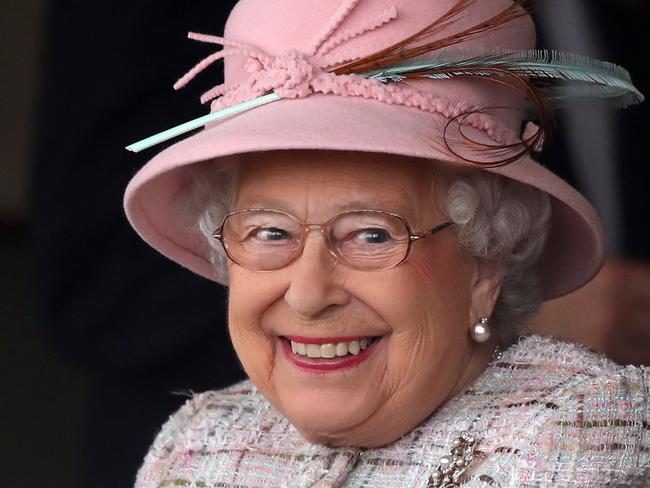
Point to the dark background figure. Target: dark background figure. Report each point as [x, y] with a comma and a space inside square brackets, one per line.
[604, 153]
[115, 328]
[138, 325]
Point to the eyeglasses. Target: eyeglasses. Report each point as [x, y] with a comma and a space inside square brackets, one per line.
[260, 239]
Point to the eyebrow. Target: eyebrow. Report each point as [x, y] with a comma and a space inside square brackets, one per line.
[272, 203]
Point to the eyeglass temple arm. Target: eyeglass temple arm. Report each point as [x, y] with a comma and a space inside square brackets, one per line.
[430, 232]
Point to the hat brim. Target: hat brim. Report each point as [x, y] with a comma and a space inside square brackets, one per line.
[572, 256]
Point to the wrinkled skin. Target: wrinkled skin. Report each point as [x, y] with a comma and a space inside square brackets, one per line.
[423, 308]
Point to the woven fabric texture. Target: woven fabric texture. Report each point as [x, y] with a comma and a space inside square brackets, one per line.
[545, 414]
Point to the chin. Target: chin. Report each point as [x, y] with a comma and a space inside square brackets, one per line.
[327, 416]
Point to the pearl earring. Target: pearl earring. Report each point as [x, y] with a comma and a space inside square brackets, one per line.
[481, 332]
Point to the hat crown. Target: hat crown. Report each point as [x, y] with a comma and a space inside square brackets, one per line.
[326, 34]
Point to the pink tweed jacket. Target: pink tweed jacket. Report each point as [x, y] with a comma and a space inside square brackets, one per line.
[545, 414]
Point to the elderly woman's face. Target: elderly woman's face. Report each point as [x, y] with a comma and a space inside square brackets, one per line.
[413, 318]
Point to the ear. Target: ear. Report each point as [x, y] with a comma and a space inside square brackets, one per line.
[485, 288]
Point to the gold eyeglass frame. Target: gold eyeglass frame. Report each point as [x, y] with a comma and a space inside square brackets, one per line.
[325, 229]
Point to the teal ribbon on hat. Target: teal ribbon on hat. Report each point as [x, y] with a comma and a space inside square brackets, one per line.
[200, 122]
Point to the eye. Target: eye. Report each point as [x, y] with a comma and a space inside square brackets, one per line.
[372, 236]
[271, 234]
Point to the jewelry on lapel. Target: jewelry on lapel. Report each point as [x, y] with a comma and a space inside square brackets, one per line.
[481, 332]
[452, 466]
[496, 354]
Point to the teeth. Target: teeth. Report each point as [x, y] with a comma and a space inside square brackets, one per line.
[313, 351]
[329, 351]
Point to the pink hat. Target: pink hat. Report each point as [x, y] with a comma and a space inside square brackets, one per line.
[285, 89]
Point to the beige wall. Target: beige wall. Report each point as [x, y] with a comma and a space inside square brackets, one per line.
[20, 38]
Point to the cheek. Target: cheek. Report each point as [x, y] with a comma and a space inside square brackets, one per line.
[431, 293]
[426, 301]
[249, 297]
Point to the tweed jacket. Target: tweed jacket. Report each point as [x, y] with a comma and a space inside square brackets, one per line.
[545, 414]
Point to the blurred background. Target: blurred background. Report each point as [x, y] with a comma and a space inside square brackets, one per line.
[100, 337]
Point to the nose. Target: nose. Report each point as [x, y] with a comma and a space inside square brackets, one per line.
[315, 280]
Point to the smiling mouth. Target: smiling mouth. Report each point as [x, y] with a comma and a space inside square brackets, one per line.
[324, 355]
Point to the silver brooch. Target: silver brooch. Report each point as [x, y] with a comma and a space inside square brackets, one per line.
[452, 466]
